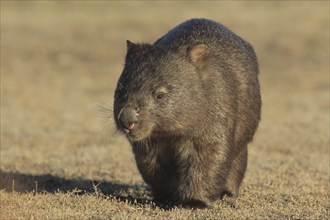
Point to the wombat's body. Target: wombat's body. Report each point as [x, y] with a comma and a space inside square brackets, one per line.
[189, 104]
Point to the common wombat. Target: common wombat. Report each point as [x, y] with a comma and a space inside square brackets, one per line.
[189, 104]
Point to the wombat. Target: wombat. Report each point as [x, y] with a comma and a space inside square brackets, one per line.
[189, 104]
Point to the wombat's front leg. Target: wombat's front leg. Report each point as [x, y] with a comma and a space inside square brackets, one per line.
[158, 168]
[237, 171]
[203, 175]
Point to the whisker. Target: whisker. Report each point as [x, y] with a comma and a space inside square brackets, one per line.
[105, 111]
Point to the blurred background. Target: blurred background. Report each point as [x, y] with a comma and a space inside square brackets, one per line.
[60, 61]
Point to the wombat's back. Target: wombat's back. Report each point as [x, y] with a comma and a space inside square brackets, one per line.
[223, 43]
[204, 31]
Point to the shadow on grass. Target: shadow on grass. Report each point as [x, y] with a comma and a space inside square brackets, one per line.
[26, 183]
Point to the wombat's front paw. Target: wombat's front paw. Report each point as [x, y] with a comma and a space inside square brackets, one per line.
[196, 204]
[187, 203]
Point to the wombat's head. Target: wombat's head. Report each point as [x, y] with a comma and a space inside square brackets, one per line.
[160, 91]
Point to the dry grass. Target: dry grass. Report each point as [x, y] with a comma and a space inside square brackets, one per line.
[59, 60]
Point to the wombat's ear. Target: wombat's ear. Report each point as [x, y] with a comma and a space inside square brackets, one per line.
[130, 45]
[199, 55]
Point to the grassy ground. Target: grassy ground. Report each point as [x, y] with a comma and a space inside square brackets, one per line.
[61, 60]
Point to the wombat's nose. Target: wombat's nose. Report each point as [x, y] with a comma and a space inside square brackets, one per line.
[128, 118]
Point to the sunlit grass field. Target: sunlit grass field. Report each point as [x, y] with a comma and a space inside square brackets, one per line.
[60, 62]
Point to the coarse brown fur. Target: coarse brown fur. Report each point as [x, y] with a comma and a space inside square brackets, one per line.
[189, 105]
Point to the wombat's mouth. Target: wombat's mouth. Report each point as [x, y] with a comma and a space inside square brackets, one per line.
[138, 132]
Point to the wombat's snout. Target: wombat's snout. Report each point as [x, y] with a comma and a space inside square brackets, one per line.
[128, 118]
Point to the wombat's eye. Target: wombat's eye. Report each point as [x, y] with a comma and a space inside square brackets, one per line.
[160, 93]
